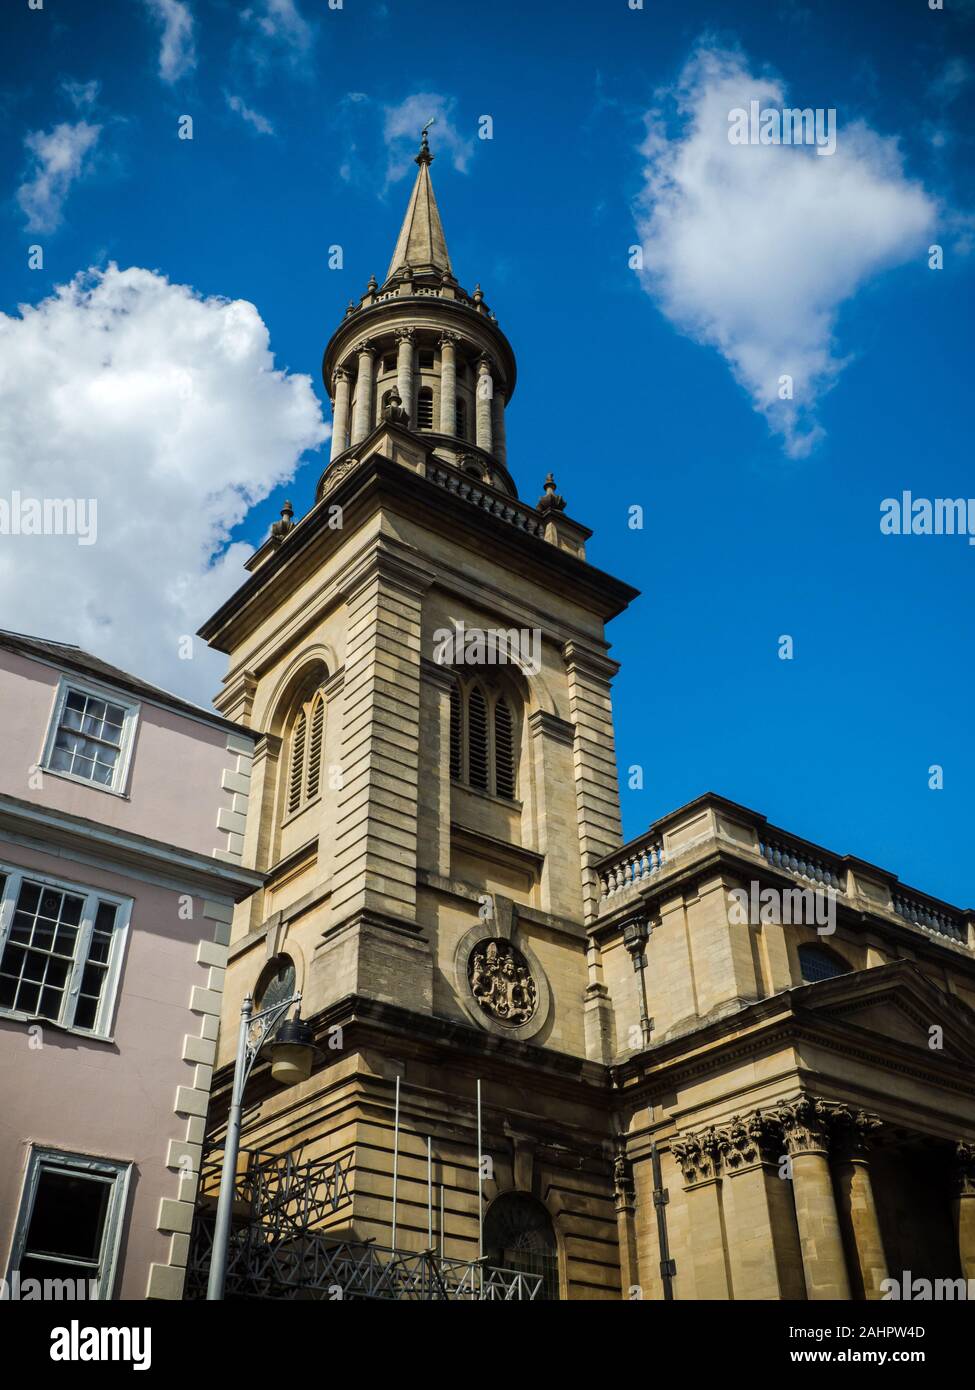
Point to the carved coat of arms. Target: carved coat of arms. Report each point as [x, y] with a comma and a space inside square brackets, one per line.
[501, 982]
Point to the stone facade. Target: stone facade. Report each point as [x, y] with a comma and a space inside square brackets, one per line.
[692, 1116]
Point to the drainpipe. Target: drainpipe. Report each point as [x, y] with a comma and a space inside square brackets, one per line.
[668, 1267]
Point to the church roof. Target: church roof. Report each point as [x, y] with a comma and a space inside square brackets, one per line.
[421, 244]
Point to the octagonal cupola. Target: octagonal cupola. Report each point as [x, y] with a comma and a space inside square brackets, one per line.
[421, 346]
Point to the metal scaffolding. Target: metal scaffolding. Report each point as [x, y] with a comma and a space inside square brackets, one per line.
[279, 1250]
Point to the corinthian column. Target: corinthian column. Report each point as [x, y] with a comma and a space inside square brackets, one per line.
[363, 414]
[485, 391]
[965, 1207]
[805, 1126]
[340, 412]
[500, 444]
[448, 384]
[404, 371]
[852, 1134]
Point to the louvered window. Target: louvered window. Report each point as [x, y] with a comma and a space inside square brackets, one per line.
[456, 735]
[482, 740]
[315, 747]
[504, 751]
[461, 423]
[307, 751]
[296, 774]
[424, 409]
[477, 740]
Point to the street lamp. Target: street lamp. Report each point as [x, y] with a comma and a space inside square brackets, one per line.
[292, 1053]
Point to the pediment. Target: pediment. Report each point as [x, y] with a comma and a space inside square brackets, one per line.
[898, 1004]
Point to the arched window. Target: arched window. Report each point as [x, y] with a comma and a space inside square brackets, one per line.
[461, 418]
[482, 739]
[276, 983]
[816, 963]
[519, 1235]
[424, 409]
[305, 753]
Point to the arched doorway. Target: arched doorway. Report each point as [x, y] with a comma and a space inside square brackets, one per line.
[519, 1235]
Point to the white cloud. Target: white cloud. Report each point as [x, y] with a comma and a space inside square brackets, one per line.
[58, 158]
[752, 249]
[254, 118]
[82, 95]
[401, 133]
[278, 30]
[281, 19]
[177, 49]
[950, 82]
[167, 410]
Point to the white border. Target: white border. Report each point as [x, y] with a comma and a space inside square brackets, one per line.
[131, 707]
[119, 1170]
[102, 1029]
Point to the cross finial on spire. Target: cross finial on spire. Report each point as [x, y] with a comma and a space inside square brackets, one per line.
[425, 157]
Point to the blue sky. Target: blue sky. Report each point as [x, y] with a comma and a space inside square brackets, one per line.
[635, 388]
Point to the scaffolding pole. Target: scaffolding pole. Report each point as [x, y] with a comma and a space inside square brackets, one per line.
[480, 1190]
[395, 1157]
[429, 1192]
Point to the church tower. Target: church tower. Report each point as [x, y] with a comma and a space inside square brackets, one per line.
[423, 660]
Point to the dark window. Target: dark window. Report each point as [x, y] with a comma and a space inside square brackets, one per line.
[75, 1208]
[424, 409]
[817, 963]
[45, 969]
[277, 983]
[519, 1236]
[426, 361]
[389, 364]
[461, 418]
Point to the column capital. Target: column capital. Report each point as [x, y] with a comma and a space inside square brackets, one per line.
[340, 374]
[852, 1132]
[699, 1155]
[805, 1125]
[365, 345]
[448, 338]
[485, 364]
[752, 1139]
[965, 1167]
[405, 335]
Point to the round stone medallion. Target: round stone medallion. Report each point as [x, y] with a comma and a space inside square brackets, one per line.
[502, 983]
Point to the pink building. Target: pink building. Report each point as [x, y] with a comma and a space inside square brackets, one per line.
[122, 812]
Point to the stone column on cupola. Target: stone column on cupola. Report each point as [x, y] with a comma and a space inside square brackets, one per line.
[500, 443]
[406, 338]
[365, 389]
[448, 383]
[340, 412]
[485, 392]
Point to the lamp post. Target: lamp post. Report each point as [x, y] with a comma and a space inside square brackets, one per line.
[292, 1055]
[636, 934]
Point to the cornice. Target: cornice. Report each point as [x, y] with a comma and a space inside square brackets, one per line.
[121, 850]
[378, 476]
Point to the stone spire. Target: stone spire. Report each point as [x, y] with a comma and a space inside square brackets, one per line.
[421, 244]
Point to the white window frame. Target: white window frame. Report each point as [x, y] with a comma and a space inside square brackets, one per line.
[105, 1018]
[117, 1172]
[120, 777]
